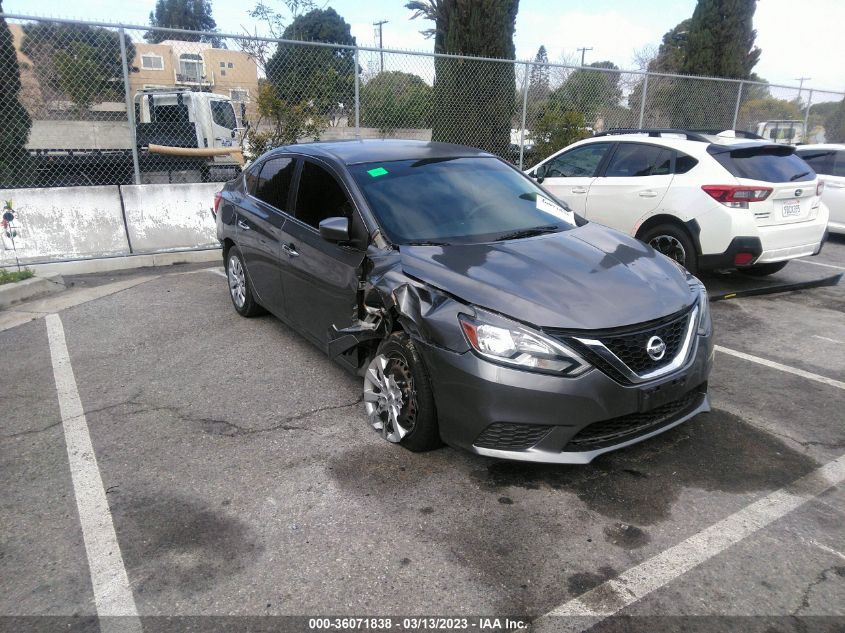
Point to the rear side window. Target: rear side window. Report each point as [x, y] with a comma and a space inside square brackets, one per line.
[581, 161]
[839, 167]
[636, 159]
[821, 160]
[273, 184]
[320, 196]
[684, 162]
[769, 164]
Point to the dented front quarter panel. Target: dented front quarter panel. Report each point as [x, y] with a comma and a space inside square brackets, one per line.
[387, 295]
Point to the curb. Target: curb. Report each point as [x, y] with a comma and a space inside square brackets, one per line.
[126, 262]
[27, 289]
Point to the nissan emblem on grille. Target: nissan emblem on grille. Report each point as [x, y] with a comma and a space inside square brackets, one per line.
[655, 347]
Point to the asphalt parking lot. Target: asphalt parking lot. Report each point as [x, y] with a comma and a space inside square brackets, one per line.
[241, 479]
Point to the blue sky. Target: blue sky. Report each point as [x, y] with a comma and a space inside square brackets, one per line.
[798, 39]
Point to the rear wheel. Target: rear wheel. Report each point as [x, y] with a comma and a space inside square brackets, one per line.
[761, 270]
[398, 397]
[240, 290]
[674, 242]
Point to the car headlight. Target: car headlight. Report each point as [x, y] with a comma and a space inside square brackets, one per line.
[705, 324]
[518, 346]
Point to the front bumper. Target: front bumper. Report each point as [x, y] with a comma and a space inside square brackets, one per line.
[478, 402]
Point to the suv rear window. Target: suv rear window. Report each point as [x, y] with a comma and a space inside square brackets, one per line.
[769, 164]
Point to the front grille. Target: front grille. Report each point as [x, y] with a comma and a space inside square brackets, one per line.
[513, 437]
[626, 427]
[631, 348]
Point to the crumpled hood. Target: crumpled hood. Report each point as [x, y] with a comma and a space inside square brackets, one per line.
[587, 278]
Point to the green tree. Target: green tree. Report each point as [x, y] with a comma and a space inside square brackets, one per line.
[555, 129]
[194, 15]
[589, 91]
[672, 53]
[473, 100]
[834, 126]
[76, 62]
[720, 42]
[394, 99]
[14, 119]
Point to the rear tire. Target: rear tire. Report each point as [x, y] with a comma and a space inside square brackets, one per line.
[674, 242]
[240, 289]
[762, 270]
[398, 395]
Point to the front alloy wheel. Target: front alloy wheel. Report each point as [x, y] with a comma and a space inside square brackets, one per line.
[389, 397]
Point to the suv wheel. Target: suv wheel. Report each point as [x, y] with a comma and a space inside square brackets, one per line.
[398, 397]
[761, 270]
[673, 242]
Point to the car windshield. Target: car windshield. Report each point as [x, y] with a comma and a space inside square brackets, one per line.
[457, 200]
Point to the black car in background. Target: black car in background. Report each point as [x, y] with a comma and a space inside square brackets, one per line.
[477, 309]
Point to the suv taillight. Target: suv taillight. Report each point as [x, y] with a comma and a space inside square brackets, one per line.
[217, 198]
[820, 187]
[737, 197]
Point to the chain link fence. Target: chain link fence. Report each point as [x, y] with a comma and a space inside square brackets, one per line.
[103, 104]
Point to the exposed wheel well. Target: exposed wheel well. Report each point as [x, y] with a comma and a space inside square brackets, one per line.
[668, 219]
[227, 244]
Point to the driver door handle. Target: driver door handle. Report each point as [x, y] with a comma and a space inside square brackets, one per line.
[290, 249]
[579, 190]
[244, 225]
[648, 193]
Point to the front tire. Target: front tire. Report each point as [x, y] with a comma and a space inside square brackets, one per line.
[762, 270]
[240, 289]
[398, 397]
[675, 243]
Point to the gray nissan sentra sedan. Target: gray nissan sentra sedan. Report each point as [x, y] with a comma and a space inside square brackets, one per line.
[478, 310]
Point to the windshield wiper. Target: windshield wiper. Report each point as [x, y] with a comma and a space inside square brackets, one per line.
[424, 243]
[797, 176]
[529, 232]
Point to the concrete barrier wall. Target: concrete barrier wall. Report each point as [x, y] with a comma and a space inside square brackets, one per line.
[170, 217]
[64, 223]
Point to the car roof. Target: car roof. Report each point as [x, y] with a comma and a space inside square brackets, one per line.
[354, 152]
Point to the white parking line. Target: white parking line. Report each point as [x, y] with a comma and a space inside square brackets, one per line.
[112, 594]
[217, 271]
[618, 593]
[791, 370]
[804, 261]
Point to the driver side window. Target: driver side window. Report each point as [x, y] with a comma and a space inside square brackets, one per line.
[582, 161]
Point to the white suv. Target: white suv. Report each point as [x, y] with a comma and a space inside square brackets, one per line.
[709, 201]
[828, 161]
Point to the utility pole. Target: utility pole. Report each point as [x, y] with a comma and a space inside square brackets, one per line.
[583, 51]
[801, 85]
[380, 45]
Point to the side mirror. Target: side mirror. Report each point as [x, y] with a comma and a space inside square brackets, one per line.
[335, 229]
[540, 172]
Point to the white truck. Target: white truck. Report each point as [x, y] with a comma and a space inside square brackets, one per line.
[785, 131]
[167, 117]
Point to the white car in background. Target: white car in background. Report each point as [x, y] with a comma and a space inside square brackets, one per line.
[709, 201]
[828, 161]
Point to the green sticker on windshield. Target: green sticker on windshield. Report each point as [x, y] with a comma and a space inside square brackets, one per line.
[378, 171]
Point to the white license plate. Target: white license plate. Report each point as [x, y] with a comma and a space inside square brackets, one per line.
[791, 208]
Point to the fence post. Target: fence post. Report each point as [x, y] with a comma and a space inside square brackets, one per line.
[524, 112]
[738, 99]
[130, 106]
[642, 102]
[807, 117]
[357, 97]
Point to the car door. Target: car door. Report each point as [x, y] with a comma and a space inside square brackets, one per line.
[632, 183]
[320, 278]
[223, 123]
[260, 221]
[834, 190]
[570, 174]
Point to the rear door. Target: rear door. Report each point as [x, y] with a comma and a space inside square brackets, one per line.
[320, 278]
[633, 183]
[260, 221]
[569, 175]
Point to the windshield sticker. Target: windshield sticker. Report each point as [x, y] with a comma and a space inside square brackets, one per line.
[544, 204]
[378, 171]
